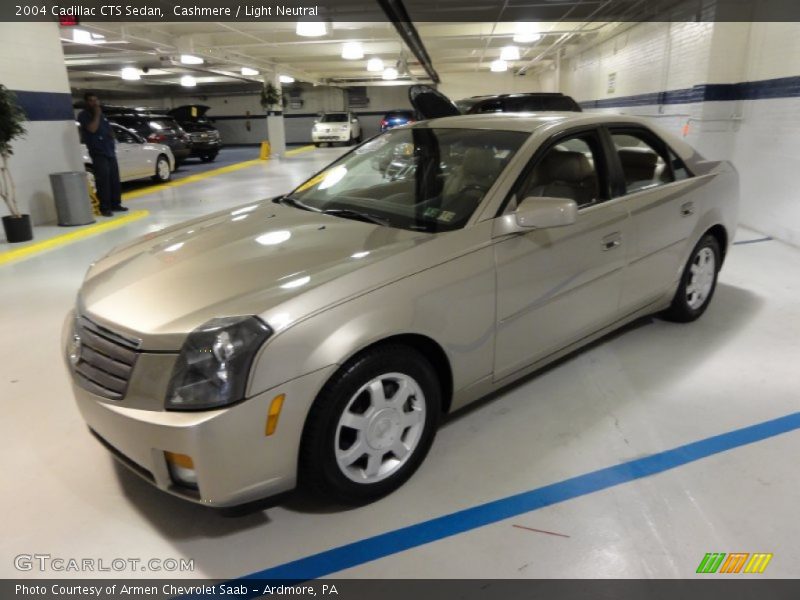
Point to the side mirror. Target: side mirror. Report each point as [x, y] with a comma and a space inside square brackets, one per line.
[537, 213]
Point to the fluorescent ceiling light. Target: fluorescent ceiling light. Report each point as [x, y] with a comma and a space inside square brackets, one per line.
[191, 59]
[390, 73]
[525, 33]
[188, 81]
[249, 71]
[285, 79]
[311, 28]
[374, 65]
[498, 66]
[81, 36]
[509, 53]
[352, 51]
[130, 74]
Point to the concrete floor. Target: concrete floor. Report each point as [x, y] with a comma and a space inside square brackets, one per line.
[650, 388]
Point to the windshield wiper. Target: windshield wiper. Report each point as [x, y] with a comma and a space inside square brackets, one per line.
[349, 213]
[292, 201]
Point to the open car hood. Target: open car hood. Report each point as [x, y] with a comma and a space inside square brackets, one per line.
[431, 103]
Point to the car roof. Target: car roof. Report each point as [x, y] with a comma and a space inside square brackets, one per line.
[529, 122]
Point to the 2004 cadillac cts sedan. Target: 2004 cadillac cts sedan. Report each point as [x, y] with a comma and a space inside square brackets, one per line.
[316, 339]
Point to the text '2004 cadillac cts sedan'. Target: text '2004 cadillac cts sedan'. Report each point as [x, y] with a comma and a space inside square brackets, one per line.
[317, 338]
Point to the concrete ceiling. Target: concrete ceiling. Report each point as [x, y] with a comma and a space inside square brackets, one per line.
[454, 48]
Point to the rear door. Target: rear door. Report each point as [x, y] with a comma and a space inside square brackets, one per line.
[558, 285]
[654, 184]
[128, 154]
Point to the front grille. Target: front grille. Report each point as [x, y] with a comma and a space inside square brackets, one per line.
[106, 360]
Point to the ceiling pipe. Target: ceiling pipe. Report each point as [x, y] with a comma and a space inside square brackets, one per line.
[396, 13]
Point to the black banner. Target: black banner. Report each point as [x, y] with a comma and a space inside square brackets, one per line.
[710, 588]
[73, 12]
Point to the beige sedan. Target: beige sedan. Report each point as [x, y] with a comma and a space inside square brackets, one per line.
[316, 339]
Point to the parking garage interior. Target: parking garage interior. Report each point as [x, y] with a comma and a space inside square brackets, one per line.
[630, 458]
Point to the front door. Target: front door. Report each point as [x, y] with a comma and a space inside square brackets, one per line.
[558, 285]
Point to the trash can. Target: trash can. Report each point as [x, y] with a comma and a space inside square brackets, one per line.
[71, 194]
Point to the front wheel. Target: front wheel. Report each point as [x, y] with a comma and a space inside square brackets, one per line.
[698, 282]
[163, 172]
[371, 426]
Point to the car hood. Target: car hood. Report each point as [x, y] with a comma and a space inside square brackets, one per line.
[238, 262]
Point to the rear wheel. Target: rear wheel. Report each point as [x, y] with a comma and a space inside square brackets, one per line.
[371, 426]
[698, 282]
[163, 172]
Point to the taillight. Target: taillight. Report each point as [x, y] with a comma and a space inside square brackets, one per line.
[156, 137]
[384, 122]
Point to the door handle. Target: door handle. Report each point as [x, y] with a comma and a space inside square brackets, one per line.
[612, 240]
[687, 209]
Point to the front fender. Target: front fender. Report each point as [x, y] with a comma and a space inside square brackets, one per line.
[453, 304]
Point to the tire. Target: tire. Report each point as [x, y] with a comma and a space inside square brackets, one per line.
[210, 157]
[163, 172]
[698, 282]
[339, 441]
[317, 144]
[352, 140]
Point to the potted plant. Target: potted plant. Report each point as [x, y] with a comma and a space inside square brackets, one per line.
[270, 97]
[12, 118]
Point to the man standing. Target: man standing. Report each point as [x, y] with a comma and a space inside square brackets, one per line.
[99, 139]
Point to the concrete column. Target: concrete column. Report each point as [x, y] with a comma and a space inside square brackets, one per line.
[32, 65]
[276, 132]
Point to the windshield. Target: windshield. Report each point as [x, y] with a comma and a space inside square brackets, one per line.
[423, 179]
[334, 118]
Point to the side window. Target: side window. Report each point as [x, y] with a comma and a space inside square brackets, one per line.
[569, 169]
[123, 136]
[678, 168]
[642, 165]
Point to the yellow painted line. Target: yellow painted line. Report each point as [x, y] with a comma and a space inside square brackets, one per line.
[190, 179]
[67, 238]
[299, 150]
[205, 175]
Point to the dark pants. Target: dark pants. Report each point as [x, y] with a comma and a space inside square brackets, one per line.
[106, 177]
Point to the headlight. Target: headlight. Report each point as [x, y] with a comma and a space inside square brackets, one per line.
[214, 363]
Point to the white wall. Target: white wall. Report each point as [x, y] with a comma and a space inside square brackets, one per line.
[760, 136]
[31, 60]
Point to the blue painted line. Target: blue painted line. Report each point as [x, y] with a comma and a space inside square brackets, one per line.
[765, 89]
[756, 241]
[406, 538]
[46, 106]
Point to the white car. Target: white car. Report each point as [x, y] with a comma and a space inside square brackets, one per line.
[137, 158]
[336, 127]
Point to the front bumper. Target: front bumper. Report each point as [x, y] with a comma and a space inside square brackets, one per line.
[330, 136]
[198, 148]
[234, 461]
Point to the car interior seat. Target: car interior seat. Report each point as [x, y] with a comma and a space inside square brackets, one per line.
[566, 174]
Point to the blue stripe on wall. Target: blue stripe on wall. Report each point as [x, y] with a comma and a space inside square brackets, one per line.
[783, 87]
[46, 106]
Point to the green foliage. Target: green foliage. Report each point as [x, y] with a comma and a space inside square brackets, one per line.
[270, 96]
[12, 119]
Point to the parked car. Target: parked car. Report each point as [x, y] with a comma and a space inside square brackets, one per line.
[318, 338]
[528, 102]
[336, 127]
[395, 118]
[204, 139]
[137, 158]
[155, 127]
